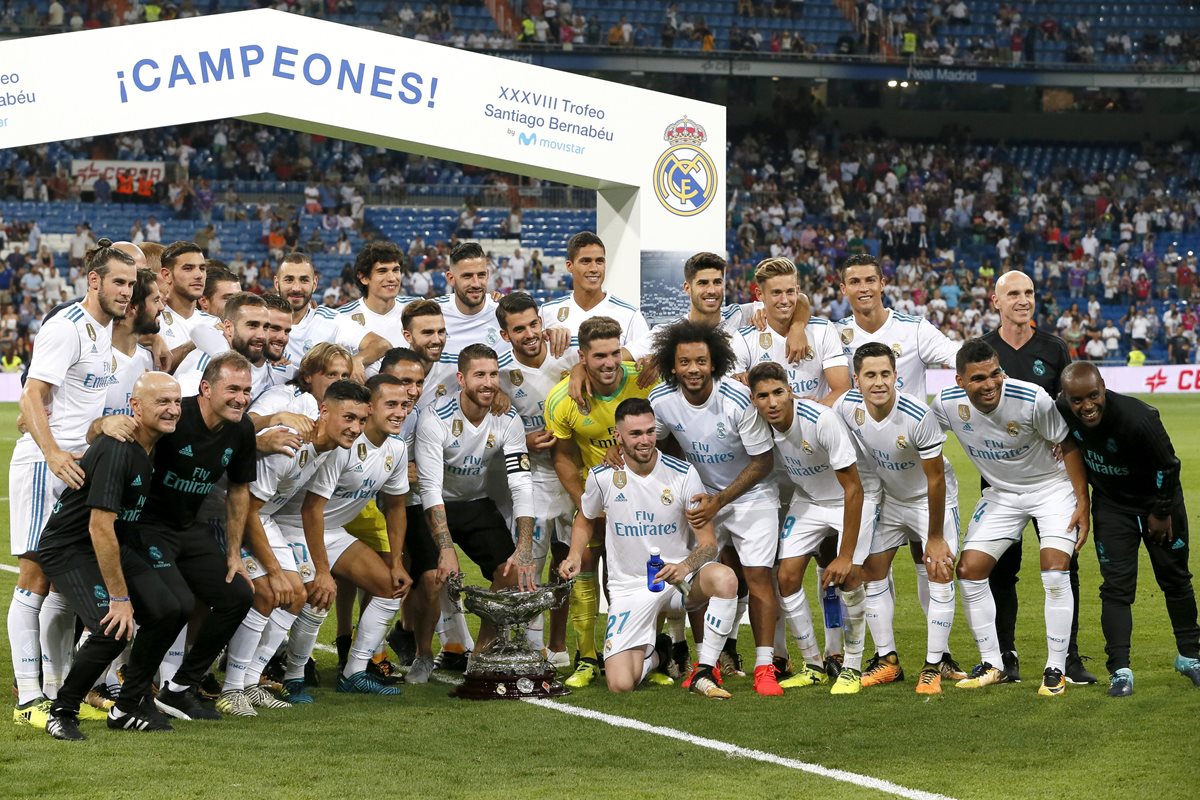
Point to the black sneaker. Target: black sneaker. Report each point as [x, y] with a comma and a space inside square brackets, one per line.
[403, 644]
[1012, 666]
[145, 718]
[452, 662]
[209, 688]
[184, 705]
[730, 660]
[783, 668]
[64, 725]
[342, 643]
[385, 672]
[681, 660]
[275, 669]
[833, 665]
[1076, 672]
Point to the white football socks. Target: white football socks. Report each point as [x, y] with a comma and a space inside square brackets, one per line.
[923, 587]
[1059, 611]
[241, 650]
[854, 623]
[56, 632]
[981, 616]
[278, 625]
[719, 620]
[938, 621]
[303, 640]
[25, 643]
[880, 611]
[372, 628]
[799, 619]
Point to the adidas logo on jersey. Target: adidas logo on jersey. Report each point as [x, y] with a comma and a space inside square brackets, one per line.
[620, 498]
[186, 451]
[765, 357]
[678, 426]
[454, 445]
[94, 350]
[137, 481]
[520, 393]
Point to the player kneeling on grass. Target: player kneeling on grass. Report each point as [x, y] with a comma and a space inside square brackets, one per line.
[1008, 429]
[645, 506]
[84, 552]
[815, 450]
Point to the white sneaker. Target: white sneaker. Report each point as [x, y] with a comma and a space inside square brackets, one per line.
[420, 671]
[262, 697]
[235, 704]
[560, 661]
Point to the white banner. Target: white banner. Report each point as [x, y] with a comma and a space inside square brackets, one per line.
[89, 170]
[1168, 379]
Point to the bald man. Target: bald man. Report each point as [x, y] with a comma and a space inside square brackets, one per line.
[1027, 354]
[83, 551]
[1136, 498]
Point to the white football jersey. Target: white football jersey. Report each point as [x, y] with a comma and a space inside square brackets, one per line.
[281, 477]
[478, 328]
[440, 382]
[731, 321]
[175, 329]
[640, 513]
[528, 387]
[207, 333]
[895, 446]
[324, 324]
[1012, 447]
[351, 478]
[807, 377]
[816, 444]
[719, 437]
[453, 456]
[73, 354]
[285, 398]
[363, 321]
[129, 369]
[566, 313]
[917, 344]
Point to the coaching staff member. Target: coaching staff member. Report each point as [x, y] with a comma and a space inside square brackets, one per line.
[1136, 497]
[214, 437]
[1027, 354]
[85, 553]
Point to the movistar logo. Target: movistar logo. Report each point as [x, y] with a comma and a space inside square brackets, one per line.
[186, 451]
[527, 138]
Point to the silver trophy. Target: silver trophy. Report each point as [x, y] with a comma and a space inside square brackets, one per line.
[509, 668]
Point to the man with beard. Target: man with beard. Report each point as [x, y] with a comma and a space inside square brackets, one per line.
[469, 312]
[133, 360]
[245, 324]
[213, 438]
[279, 330]
[295, 281]
[64, 393]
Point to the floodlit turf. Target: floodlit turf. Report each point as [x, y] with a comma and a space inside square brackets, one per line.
[1005, 742]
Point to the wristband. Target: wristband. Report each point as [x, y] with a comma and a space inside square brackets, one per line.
[124, 599]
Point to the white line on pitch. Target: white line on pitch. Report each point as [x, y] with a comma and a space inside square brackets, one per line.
[853, 778]
[9, 568]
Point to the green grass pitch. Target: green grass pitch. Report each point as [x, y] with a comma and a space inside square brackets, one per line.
[1002, 743]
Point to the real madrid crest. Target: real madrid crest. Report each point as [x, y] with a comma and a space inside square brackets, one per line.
[440, 391]
[847, 335]
[456, 427]
[362, 451]
[303, 457]
[901, 442]
[667, 497]
[806, 447]
[1013, 429]
[765, 341]
[251, 565]
[113, 366]
[387, 463]
[563, 313]
[721, 431]
[620, 479]
[896, 349]
[516, 377]
[860, 416]
[491, 441]
[685, 177]
[964, 412]
[809, 355]
[525, 462]
[91, 331]
[360, 318]
[306, 572]
[168, 318]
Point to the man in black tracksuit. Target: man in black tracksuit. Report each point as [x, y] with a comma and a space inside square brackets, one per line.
[1136, 497]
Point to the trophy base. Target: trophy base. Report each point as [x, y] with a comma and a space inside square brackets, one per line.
[498, 686]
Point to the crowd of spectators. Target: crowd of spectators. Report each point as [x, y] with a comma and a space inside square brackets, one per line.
[947, 221]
